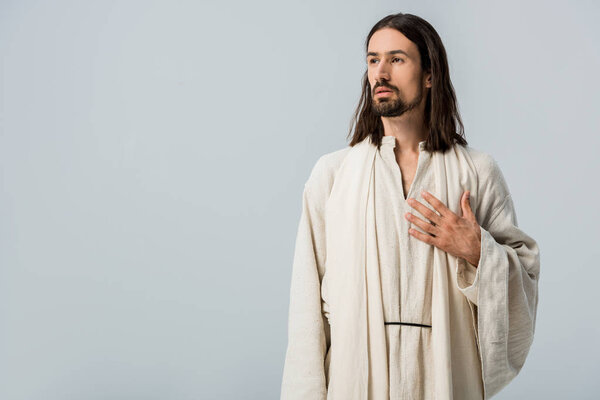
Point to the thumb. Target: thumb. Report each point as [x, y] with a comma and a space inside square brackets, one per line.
[466, 206]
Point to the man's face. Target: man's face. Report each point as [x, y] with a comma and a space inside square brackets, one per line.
[399, 73]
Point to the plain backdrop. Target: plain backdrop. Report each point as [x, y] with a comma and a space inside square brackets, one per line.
[153, 156]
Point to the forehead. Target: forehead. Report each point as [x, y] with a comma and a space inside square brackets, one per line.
[388, 39]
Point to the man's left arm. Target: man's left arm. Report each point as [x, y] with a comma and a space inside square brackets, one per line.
[504, 288]
[498, 231]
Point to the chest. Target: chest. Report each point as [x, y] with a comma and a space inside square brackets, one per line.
[407, 167]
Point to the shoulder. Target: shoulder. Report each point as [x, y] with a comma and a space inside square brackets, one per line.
[492, 188]
[324, 170]
[322, 175]
[485, 164]
[489, 172]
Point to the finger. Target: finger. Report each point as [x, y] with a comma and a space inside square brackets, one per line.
[422, 236]
[426, 226]
[437, 204]
[425, 211]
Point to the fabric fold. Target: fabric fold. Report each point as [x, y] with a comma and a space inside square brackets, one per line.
[353, 327]
[304, 376]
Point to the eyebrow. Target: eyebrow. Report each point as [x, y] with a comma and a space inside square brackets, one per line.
[372, 53]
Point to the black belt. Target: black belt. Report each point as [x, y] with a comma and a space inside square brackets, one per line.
[406, 323]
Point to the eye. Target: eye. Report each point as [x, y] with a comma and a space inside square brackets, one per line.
[371, 60]
[396, 58]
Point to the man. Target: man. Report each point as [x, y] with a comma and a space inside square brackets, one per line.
[411, 278]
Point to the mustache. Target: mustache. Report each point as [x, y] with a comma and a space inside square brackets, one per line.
[383, 86]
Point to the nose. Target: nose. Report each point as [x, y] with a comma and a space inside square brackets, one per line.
[381, 72]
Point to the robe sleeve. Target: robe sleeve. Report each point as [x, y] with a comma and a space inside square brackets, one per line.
[304, 373]
[467, 274]
[507, 289]
[467, 278]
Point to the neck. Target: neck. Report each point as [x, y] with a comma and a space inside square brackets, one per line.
[408, 129]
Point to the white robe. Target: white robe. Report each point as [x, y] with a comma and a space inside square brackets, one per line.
[342, 290]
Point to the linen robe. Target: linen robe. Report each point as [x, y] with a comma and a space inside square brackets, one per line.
[356, 267]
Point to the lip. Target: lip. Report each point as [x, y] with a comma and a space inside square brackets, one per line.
[383, 93]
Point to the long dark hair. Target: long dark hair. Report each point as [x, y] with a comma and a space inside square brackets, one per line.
[441, 108]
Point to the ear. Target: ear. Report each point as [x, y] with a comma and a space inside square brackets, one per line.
[427, 79]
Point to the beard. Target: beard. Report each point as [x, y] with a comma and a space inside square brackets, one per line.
[394, 106]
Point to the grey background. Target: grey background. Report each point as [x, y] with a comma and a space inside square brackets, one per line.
[153, 156]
